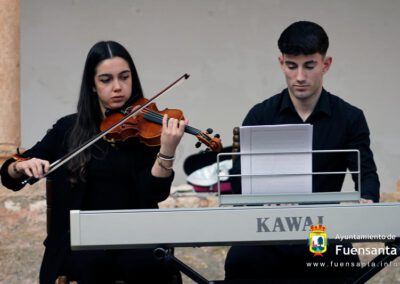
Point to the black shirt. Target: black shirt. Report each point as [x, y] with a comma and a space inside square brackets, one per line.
[336, 125]
[117, 178]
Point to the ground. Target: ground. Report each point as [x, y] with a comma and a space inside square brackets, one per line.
[23, 229]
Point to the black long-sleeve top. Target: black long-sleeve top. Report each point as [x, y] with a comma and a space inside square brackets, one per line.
[336, 125]
[116, 178]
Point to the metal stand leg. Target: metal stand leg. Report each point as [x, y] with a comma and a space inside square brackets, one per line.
[168, 255]
[377, 264]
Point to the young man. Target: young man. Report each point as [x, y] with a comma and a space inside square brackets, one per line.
[336, 125]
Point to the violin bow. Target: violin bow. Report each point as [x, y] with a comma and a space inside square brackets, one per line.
[58, 163]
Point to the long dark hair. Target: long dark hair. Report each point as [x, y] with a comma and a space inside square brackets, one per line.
[89, 114]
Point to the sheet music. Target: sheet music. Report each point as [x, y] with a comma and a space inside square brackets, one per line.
[273, 139]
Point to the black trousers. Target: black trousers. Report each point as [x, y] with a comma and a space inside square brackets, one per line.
[106, 266]
[289, 264]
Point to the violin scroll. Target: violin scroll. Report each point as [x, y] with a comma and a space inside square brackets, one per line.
[214, 144]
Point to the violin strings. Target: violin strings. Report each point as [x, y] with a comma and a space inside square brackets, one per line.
[152, 114]
[156, 115]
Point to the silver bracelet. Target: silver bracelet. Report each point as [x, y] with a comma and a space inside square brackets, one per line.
[159, 162]
[165, 157]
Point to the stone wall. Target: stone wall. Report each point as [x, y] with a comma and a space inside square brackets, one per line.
[10, 120]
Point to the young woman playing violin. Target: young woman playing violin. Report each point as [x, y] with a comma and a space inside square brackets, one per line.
[128, 175]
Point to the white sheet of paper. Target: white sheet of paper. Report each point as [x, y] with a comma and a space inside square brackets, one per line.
[276, 139]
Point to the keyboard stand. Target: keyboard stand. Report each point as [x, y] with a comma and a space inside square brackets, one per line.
[377, 264]
[167, 254]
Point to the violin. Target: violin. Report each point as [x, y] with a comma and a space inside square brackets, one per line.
[147, 125]
[213, 143]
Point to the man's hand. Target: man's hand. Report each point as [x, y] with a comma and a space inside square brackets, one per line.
[365, 201]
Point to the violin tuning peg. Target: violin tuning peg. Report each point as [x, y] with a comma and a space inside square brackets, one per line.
[209, 130]
[198, 144]
[217, 136]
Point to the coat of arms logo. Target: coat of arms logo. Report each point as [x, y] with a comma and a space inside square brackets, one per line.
[318, 239]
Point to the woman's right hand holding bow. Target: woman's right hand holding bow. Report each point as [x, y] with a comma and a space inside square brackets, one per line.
[33, 167]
